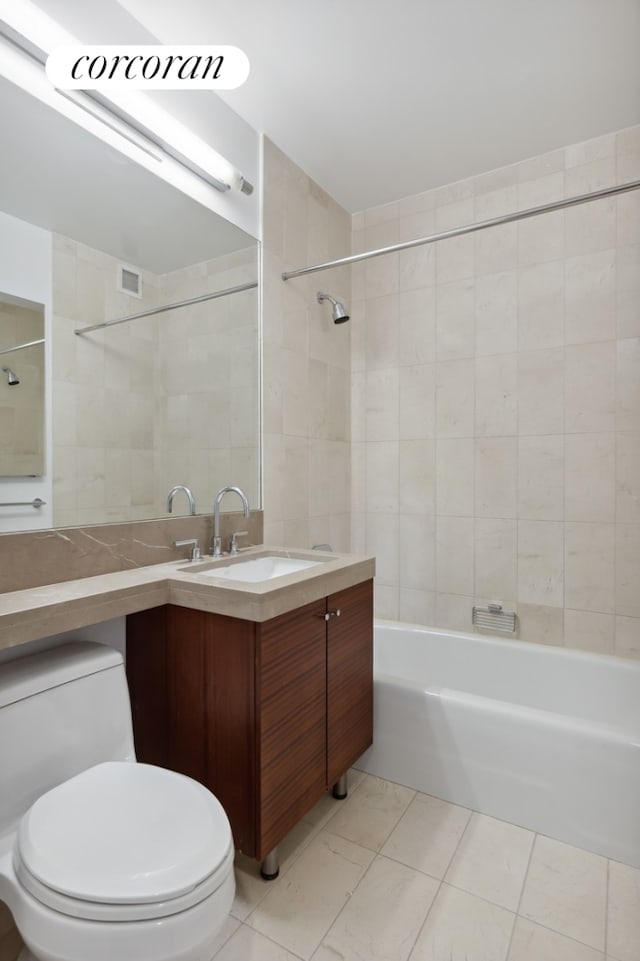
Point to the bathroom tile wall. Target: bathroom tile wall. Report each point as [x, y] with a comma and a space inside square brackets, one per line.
[103, 391]
[207, 400]
[306, 362]
[495, 402]
[21, 407]
[169, 399]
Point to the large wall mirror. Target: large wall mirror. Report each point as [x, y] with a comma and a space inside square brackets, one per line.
[169, 397]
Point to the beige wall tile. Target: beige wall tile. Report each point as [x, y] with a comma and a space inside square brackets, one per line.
[455, 476]
[455, 320]
[627, 374]
[496, 249]
[628, 219]
[541, 392]
[417, 319]
[591, 227]
[495, 558]
[627, 636]
[627, 474]
[497, 395]
[627, 568]
[628, 291]
[496, 464]
[454, 611]
[416, 607]
[381, 332]
[540, 563]
[518, 333]
[497, 313]
[383, 404]
[383, 541]
[589, 631]
[417, 399]
[590, 471]
[455, 258]
[590, 388]
[454, 556]
[416, 566]
[590, 297]
[541, 484]
[589, 567]
[541, 306]
[455, 392]
[541, 239]
[417, 267]
[417, 476]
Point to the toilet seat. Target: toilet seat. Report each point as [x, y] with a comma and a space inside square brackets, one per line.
[124, 841]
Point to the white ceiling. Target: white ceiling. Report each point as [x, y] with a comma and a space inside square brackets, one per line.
[380, 99]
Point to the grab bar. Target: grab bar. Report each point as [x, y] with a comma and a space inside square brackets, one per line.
[36, 502]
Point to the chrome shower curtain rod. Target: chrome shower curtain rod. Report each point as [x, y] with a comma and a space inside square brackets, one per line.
[174, 306]
[31, 343]
[468, 229]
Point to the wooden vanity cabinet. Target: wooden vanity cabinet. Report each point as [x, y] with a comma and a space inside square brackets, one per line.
[267, 715]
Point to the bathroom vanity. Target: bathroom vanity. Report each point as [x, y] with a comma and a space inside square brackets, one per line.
[268, 715]
[251, 674]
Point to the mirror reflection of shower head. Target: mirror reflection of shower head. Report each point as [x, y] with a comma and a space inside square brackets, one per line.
[12, 380]
[338, 310]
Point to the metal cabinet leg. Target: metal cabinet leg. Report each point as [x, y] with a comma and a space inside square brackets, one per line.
[340, 788]
[270, 868]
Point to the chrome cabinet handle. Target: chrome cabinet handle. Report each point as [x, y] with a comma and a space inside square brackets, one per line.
[329, 615]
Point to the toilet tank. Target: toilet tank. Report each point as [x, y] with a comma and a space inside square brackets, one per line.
[61, 711]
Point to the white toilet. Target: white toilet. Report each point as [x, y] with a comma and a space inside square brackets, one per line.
[101, 858]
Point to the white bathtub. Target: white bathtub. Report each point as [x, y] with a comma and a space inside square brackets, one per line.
[543, 737]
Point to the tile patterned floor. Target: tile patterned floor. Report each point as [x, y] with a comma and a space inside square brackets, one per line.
[394, 875]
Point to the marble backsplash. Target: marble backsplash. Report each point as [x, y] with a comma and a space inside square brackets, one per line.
[34, 558]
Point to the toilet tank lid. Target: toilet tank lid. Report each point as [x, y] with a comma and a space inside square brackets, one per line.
[35, 673]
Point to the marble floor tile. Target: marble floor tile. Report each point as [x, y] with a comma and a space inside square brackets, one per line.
[302, 905]
[371, 812]
[427, 835]
[250, 887]
[623, 914]
[531, 942]
[361, 880]
[229, 928]
[463, 927]
[565, 889]
[249, 945]
[491, 860]
[381, 921]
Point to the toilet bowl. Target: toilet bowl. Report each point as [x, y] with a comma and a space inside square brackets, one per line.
[119, 860]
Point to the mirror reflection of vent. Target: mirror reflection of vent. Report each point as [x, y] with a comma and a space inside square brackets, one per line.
[129, 281]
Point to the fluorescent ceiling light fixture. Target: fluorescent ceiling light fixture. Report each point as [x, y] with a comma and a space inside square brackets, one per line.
[132, 119]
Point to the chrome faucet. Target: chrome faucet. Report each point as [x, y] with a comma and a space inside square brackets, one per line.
[216, 547]
[172, 493]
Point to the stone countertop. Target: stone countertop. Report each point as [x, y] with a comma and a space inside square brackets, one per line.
[42, 611]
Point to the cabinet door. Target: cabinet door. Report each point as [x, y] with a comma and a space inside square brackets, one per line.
[291, 697]
[349, 678]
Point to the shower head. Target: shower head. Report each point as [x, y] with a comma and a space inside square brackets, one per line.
[12, 380]
[338, 310]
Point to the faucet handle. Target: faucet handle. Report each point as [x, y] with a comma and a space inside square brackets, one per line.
[233, 543]
[191, 541]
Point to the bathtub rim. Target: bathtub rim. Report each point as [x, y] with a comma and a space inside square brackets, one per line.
[494, 640]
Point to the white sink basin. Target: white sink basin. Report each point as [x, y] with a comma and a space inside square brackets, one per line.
[258, 569]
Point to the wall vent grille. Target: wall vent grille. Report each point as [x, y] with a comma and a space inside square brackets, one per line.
[129, 280]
